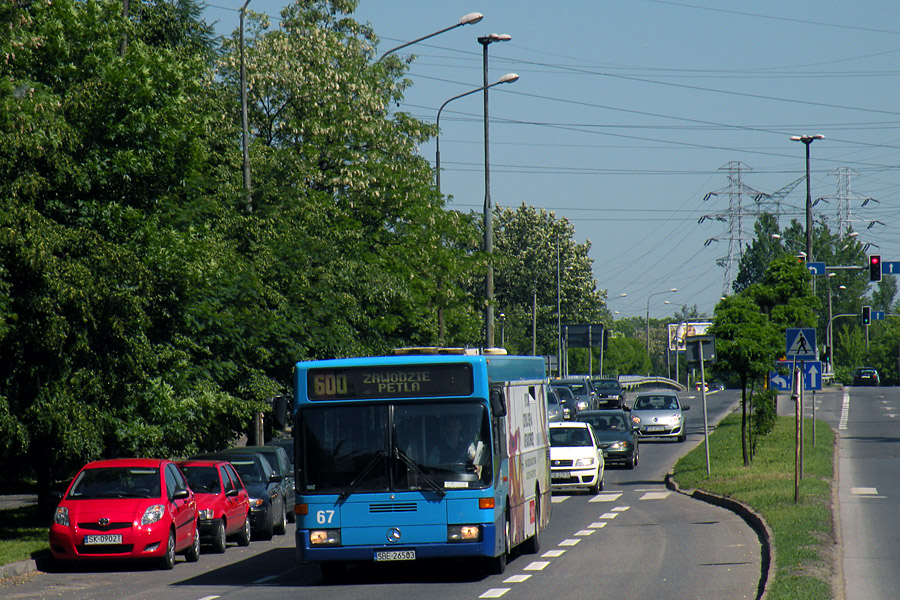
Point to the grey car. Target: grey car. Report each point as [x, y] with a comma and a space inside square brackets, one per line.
[582, 389]
[661, 415]
[554, 407]
[566, 401]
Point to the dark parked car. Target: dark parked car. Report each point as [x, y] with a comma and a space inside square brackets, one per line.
[222, 502]
[268, 513]
[866, 376]
[616, 435]
[279, 459]
[610, 392]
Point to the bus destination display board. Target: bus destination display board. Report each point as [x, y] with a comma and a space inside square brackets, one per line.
[400, 381]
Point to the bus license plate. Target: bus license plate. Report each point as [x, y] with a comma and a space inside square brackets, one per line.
[90, 540]
[395, 555]
[559, 475]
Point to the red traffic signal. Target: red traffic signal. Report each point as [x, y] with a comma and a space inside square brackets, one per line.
[875, 267]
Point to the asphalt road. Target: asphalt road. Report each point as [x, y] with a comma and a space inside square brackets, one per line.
[635, 539]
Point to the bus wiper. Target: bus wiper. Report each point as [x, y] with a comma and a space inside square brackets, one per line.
[379, 455]
[430, 483]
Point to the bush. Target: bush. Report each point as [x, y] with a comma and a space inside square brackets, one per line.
[764, 412]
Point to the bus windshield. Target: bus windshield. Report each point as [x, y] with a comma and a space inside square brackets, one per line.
[394, 447]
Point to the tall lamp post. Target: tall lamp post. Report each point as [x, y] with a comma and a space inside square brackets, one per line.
[469, 19]
[508, 78]
[648, 314]
[807, 140]
[485, 41]
[244, 126]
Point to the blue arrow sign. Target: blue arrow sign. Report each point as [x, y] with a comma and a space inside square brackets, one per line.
[812, 376]
[800, 343]
[779, 381]
[891, 268]
[877, 315]
[816, 268]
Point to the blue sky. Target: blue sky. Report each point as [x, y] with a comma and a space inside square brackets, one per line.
[636, 119]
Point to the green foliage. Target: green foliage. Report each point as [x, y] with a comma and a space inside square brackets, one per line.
[525, 250]
[764, 413]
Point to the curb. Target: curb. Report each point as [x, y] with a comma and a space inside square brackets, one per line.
[17, 569]
[754, 520]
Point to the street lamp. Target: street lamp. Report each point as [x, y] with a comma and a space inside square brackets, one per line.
[244, 126]
[502, 318]
[648, 313]
[485, 41]
[807, 140]
[508, 78]
[469, 19]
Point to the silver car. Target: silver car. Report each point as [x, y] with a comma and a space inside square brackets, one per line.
[554, 408]
[661, 414]
[582, 389]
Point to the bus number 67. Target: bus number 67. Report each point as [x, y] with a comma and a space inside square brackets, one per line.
[324, 517]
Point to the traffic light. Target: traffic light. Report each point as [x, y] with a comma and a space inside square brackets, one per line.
[801, 258]
[875, 267]
[866, 315]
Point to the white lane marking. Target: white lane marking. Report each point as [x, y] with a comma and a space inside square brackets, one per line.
[864, 491]
[655, 496]
[553, 553]
[494, 593]
[585, 532]
[559, 499]
[606, 497]
[621, 508]
[209, 598]
[265, 579]
[569, 542]
[609, 515]
[596, 525]
[538, 565]
[845, 411]
[517, 578]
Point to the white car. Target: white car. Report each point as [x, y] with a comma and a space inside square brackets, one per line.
[575, 459]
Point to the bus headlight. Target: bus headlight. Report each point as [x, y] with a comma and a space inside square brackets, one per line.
[463, 533]
[325, 537]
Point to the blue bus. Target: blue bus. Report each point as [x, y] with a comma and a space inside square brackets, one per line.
[429, 453]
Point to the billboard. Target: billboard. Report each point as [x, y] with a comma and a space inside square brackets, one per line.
[679, 331]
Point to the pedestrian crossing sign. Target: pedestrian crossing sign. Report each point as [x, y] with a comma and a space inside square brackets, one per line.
[800, 343]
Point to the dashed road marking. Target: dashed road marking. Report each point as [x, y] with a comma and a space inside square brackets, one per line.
[845, 411]
[494, 593]
[597, 525]
[538, 565]
[655, 496]
[606, 497]
[864, 491]
[569, 542]
[585, 532]
[553, 553]
[517, 578]
[609, 515]
[621, 508]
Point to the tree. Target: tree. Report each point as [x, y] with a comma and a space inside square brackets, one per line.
[525, 248]
[747, 344]
[759, 253]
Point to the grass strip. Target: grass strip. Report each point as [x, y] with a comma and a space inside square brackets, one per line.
[803, 531]
[23, 535]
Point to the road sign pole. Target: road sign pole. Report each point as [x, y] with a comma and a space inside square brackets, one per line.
[703, 396]
[800, 404]
[796, 385]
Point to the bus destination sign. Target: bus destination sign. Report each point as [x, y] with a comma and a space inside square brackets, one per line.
[394, 381]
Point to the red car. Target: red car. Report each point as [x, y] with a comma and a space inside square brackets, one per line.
[222, 502]
[127, 508]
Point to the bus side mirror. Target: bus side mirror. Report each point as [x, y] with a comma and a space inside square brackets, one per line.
[498, 403]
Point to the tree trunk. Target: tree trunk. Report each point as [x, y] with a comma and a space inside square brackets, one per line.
[744, 449]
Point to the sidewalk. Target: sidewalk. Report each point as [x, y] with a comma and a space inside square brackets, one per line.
[23, 567]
